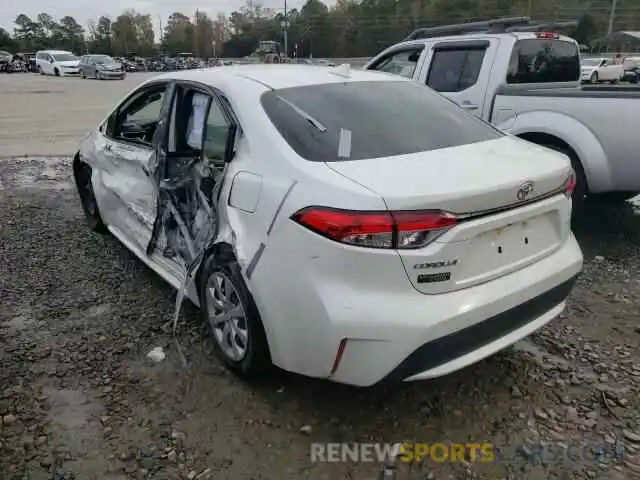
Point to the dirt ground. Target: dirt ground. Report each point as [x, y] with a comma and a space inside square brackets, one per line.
[79, 313]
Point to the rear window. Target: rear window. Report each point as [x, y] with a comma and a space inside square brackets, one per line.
[544, 61]
[360, 120]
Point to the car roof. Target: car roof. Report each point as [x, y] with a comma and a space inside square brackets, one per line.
[281, 76]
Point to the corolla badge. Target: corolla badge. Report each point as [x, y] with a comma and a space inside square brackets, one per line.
[524, 191]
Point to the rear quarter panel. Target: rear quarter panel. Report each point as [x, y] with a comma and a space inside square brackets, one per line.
[599, 127]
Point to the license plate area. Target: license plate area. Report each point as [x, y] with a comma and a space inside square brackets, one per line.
[500, 250]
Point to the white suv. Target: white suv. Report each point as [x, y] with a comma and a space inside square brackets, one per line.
[57, 62]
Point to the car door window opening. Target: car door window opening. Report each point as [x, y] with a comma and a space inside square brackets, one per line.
[137, 121]
[192, 173]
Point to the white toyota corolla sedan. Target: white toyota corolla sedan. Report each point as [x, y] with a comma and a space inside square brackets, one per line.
[340, 224]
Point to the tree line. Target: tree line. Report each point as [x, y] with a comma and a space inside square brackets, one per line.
[351, 28]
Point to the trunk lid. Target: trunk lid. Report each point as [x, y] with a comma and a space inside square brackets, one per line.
[471, 180]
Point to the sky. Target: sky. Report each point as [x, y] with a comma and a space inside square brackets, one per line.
[85, 10]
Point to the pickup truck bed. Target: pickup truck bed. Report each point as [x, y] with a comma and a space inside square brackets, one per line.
[597, 123]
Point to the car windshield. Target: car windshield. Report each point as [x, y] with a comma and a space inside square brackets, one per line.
[64, 57]
[103, 60]
[363, 120]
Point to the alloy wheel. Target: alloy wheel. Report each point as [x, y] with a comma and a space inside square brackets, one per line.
[227, 316]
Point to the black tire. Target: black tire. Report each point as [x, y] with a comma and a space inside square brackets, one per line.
[82, 176]
[611, 198]
[256, 360]
[40, 70]
[580, 192]
[594, 78]
[56, 72]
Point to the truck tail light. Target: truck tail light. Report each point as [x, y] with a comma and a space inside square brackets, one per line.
[548, 35]
[391, 230]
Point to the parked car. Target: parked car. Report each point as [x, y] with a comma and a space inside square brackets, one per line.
[17, 64]
[57, 62]
[596, 70]
[101, 67]
[363, 250]
[631, 67]
[30, 58]
[527, 83]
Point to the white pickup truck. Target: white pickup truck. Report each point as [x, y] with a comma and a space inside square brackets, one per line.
[527, 83]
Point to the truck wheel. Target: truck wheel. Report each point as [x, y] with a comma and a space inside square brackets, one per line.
[611, 198]
[579, 194]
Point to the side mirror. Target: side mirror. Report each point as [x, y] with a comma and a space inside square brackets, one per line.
[229, 151]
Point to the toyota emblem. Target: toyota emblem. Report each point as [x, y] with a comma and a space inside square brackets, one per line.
[525, 190]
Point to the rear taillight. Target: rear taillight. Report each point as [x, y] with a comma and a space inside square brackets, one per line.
[570, 185]
[404, 229]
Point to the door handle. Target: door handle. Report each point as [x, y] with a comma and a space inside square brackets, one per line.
[469, 106]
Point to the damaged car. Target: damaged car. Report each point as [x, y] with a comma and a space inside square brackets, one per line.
[340, 224]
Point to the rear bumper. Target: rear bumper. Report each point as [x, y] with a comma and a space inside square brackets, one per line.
[397, 333]
[113, 75]
[451, 352]
[471, 324]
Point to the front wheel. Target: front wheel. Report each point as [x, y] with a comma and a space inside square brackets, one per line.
[228, 308]
[56, 72]
[82, 174]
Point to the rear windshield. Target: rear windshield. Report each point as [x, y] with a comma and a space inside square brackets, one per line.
[544, 61]
[360, 120]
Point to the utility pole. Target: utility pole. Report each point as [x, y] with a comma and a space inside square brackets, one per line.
[286, 27]
[612, 17]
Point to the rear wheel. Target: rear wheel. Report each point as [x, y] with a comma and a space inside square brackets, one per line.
[82, 174]
[229, 310]
[611, 198]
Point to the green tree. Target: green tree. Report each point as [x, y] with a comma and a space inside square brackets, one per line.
[178, 34]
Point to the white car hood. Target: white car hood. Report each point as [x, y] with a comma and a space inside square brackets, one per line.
[69, 63]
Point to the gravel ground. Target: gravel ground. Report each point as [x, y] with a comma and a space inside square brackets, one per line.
[79, 400]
